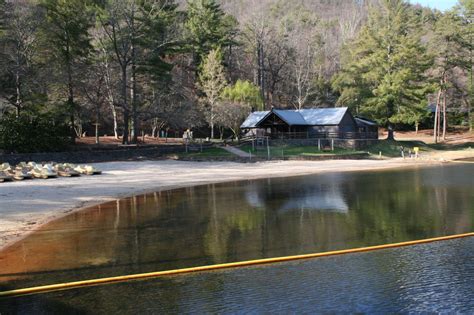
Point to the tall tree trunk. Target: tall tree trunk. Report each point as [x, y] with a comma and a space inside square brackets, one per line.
[436, 118]
[78, 128]
[469, 117]
[465, 100]
[390, 135]
[125, 104]
[154, 129]
[212, 118]
[230, 66]
[114, 116]
[126, 118]
[299, 86]
[18, 93]
[110, 94]
[471, 92]
[261, 70]
[70, 101]
[133, 79]
[390, 107]
[113, 108]
[445, 118]
[97, 134]
[97, 118]
[133, 99]
[438, 127]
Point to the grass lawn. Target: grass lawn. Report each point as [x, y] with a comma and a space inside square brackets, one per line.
[387, 148]
[294, 150]
[390, 148]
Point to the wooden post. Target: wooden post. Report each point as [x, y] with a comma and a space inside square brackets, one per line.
[332, 144]
[319, 144]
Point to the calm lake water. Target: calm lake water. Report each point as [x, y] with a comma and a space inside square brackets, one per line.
[255, 219]
[429, 278]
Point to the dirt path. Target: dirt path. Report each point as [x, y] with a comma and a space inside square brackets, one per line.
[453, 137]
[236, 151]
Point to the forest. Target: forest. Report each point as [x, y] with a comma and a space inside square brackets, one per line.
[128, 68]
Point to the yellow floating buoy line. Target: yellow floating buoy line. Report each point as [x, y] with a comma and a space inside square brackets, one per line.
[101, 281]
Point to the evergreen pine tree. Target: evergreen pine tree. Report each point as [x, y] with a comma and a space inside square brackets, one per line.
[156, 39]
[466, 12]
[384, 72]
[66, 34]
[152, 41]
[447, 50]
[2, 16]
[18, 51]
[208, 28]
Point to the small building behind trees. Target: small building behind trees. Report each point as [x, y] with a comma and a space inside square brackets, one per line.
[314, 123]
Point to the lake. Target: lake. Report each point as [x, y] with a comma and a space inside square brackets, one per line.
[256, 219]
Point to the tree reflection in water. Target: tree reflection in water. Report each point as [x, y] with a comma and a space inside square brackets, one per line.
[245, 220]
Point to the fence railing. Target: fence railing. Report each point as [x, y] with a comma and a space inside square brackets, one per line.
[323, 135]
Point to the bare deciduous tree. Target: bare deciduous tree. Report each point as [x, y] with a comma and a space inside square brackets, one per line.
[212, 82]
[19, 50]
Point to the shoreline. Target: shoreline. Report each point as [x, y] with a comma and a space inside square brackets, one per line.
[31, 204]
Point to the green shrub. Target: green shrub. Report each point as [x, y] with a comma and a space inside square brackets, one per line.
[39, 133]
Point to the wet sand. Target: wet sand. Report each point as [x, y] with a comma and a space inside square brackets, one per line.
[26, 205]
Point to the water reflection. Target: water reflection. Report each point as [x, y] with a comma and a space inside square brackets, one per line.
[244, 220]
[428, 278]
[318, 196]
[309, 195]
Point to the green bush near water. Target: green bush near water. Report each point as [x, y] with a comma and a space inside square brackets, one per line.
[28, 134]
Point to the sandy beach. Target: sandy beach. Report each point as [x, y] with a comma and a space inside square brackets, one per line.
[26, 205]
